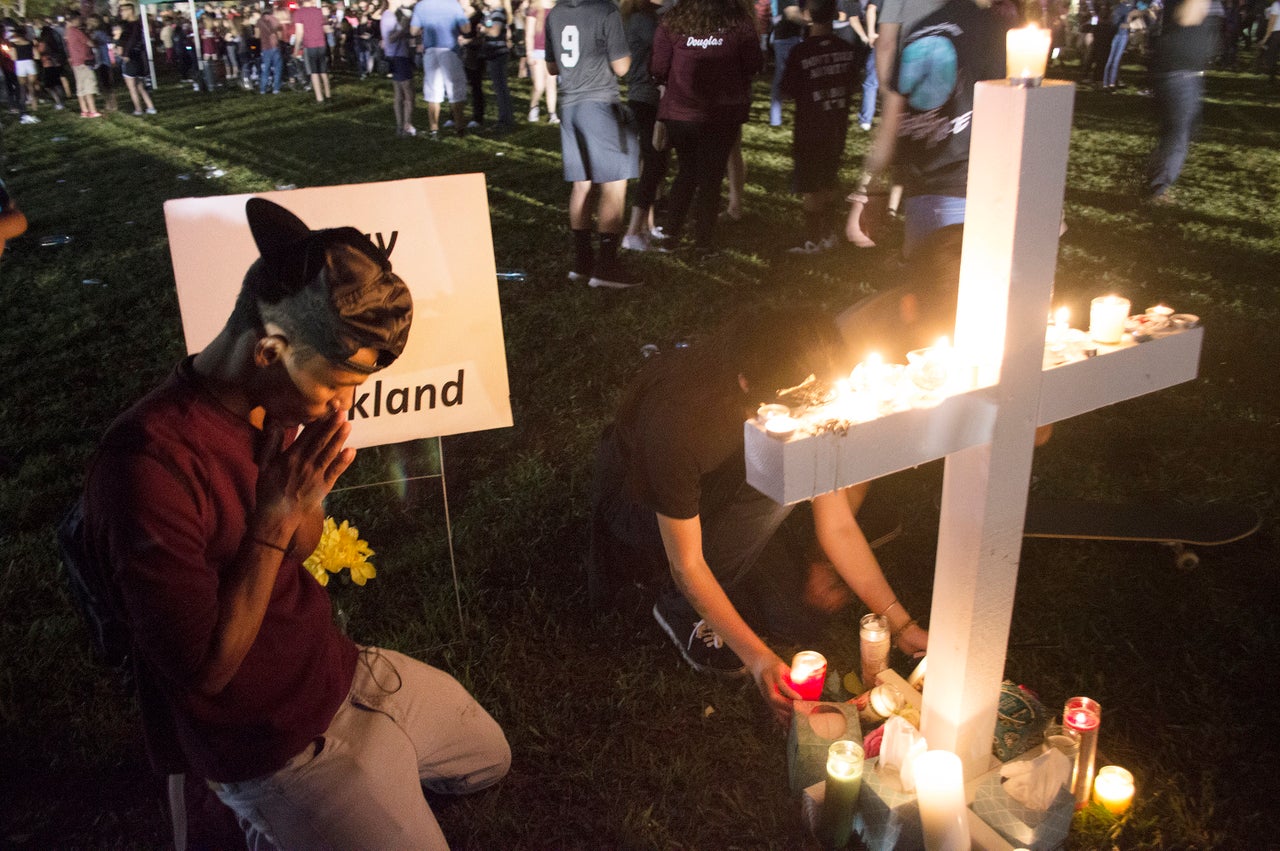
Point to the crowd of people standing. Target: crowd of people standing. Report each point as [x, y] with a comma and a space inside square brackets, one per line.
[687, 81]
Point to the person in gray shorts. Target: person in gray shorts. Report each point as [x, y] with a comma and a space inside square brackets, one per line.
[587, 51]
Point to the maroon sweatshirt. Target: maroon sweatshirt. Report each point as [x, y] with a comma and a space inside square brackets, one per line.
[708, 76]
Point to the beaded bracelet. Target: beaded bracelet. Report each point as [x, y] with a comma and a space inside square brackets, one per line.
[906, 626]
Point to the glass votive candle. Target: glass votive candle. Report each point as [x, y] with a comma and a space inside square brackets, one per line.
[808, 672]
[928, 368]
[844, 783]
[1107, 315]
[1027, 55]
[1082, 716]
[1113, 788]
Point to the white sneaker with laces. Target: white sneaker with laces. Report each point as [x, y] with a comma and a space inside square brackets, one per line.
[534, 113]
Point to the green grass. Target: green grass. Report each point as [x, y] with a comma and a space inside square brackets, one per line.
[617, 744]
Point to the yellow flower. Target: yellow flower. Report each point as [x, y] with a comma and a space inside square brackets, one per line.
[340, 547]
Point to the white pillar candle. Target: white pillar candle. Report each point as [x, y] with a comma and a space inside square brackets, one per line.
[940, 787]
[1106, 318]
[1026, 55]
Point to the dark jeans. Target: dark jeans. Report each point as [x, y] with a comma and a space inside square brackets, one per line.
[702, 152]
[653, 163]
[497, 68]
[475, 82]
[740, 541]
[272, 69]
[1178, 95]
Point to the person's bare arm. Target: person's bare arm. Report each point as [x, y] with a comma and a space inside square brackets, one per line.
[1191, 13]
[846, 547]
[682, 540]
[292, 486]
[620, 66]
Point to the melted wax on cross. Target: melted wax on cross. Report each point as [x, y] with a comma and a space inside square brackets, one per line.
[985, 429]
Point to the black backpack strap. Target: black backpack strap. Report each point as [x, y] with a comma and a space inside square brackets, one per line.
[93, 592]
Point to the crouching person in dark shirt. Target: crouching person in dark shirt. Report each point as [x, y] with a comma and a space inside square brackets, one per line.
[671, 493]
[204, 499]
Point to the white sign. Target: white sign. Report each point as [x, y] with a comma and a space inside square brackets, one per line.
[452, 376]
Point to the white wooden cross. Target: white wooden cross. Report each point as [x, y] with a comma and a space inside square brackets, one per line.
[1017, 170]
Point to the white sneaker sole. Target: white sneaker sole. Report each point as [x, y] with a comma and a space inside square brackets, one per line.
[684, 654]
[604, 283]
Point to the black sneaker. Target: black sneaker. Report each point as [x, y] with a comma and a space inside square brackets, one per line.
[697, 642]
[614, 278]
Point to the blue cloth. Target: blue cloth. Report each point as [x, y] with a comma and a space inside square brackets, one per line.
[1112, 72]
[441, 21]
[1178, 95]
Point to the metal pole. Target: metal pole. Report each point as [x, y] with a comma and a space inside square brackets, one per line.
[448, 529]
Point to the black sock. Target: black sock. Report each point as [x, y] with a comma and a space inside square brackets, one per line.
[609, 249]
[583, 253]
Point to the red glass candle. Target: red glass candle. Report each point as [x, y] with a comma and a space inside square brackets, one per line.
[808, 672]
[1081, 717]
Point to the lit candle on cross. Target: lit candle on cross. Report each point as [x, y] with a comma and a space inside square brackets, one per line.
[1026, 55]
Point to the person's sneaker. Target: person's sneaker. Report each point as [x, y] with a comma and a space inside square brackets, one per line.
[28, 118]
[866, 125]
[93, 115]
[697, 642]
[639, 242]
[410, 131]
[828, 242]
[448, 124]
[151, 110]
[473, 124]
[555, 119]
[657, 234]
[614, 278]
[137, 112]
[58, 106]
[534, 113]
[809, 247]
[434, 134]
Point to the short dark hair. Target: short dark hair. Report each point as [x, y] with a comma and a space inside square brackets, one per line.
[821, 11]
